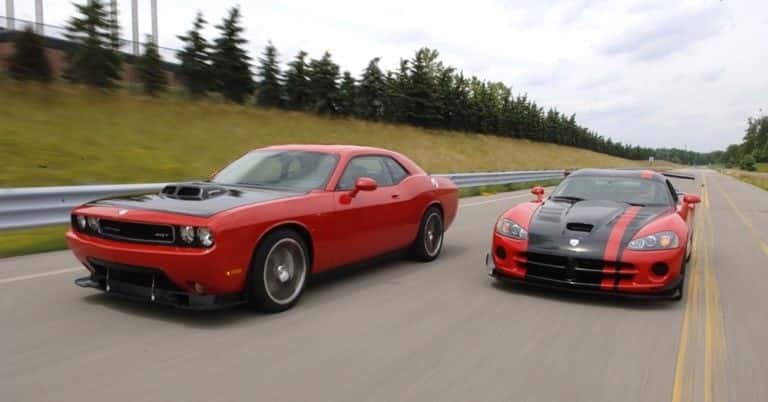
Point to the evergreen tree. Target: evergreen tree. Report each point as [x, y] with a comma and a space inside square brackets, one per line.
[28, 60]
[297, 89]
[194, 68]
[372, 91]
[348, 95]
[93, 61]
[150, 70]
[421, 105]
[269, 86]
[231, 63]
[323, 84]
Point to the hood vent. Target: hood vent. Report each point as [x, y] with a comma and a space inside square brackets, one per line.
[579, 227]
[192, 192]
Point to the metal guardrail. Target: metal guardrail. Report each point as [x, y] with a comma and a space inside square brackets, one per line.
[28, 207]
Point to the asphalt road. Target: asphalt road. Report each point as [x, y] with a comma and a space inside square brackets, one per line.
[402, 331]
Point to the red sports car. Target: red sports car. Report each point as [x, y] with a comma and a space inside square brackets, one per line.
[259, 227]
[610, 231]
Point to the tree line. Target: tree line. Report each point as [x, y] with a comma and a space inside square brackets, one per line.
[421, 91]
[753, 148]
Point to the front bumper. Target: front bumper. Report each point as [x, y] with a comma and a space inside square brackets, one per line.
[150, 285]
[572, 287]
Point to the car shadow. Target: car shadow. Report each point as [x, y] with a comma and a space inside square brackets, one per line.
[592, 299]
[320, 289]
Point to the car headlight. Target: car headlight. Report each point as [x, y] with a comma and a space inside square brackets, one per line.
[187, 234]
[506, 227]
[205, 236]
[656, 241]
[81, 222]
[93, 223]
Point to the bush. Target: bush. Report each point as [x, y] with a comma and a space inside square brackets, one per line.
[748, 163]
[28, 61]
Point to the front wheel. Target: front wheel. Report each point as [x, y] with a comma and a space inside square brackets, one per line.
[279, 271]
[429, 241]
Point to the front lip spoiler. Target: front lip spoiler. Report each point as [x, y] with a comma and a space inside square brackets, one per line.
[180, 300]
[494, 273]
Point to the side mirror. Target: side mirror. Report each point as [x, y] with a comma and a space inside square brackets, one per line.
[538, 191]
[364, 184]
[691, 199]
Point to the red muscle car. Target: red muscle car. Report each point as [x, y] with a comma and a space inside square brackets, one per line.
[607, 231]
[259, 227]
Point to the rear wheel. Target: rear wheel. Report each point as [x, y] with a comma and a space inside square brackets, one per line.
[429, 241]
[279, 271]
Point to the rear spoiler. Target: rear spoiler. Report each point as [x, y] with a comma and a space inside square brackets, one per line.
[679, 176]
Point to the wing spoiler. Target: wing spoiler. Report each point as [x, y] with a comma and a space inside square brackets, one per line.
[679, 176]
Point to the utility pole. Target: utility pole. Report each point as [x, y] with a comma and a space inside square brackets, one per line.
[154, 22]
[39, 17]
[135, 15]
[9, 22]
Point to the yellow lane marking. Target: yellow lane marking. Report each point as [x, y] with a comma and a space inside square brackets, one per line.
[714, 331]
[755, 234]
[40, 275]
[702, 315]
[691, 300]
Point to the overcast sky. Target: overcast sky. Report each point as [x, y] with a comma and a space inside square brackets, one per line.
[669, 73]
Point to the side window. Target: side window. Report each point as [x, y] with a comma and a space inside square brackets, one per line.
[398, 172]
[365, 166]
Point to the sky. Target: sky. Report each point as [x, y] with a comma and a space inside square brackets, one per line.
[656, 73]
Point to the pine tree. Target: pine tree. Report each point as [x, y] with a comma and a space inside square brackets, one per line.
[28, 60]
[231, 63]
[93, 61]
[297, 90]
[372, 91]
[323, 84]
[195, 69]
[270, 90]
[348, 95]
[150, 70]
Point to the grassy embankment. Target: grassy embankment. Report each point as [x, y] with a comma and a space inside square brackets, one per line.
[758, 178]
[62, 134]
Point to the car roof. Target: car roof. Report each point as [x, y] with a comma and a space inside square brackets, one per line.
[336, 149]
[627, 173]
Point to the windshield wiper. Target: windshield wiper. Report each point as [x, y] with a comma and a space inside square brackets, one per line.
[567, 198]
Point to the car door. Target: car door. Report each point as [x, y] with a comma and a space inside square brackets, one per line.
[363, 226]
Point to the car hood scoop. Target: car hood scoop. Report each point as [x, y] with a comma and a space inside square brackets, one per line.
[193, 191]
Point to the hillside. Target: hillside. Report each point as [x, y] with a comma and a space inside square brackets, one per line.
[63, 134]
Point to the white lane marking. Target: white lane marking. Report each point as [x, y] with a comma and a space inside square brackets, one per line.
[494, 200]
[40, 275]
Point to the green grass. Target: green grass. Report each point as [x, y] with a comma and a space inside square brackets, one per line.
[758, 179]
[62, 134]
[30, 241]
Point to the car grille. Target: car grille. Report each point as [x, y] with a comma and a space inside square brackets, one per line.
[130, 274]
[580, 271]
[138, 232]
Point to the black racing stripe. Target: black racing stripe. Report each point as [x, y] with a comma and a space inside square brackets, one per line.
[645, 216]
[548, 234]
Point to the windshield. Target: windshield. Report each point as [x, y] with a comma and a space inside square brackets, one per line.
[295, 170]
[620, 189]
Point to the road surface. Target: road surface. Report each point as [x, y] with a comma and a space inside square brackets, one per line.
[396, 330]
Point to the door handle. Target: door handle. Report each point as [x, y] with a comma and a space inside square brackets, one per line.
[395, 196]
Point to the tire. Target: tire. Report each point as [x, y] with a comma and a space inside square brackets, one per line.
[679, 291]
[689, 248]
[429, 241]
[279, 271]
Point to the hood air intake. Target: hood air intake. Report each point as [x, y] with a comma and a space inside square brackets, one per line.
[192, 192]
